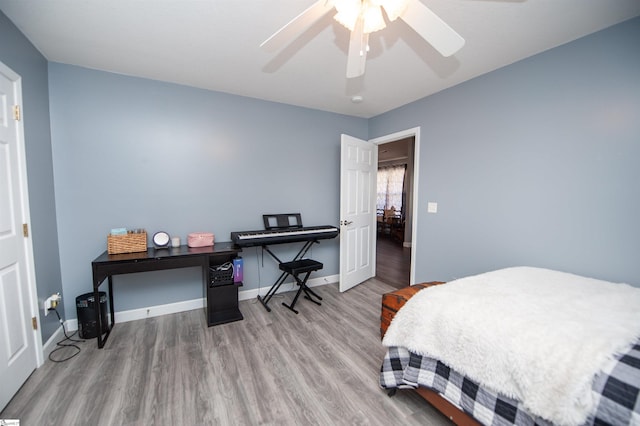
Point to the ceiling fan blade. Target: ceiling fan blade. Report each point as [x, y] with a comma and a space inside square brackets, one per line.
[358, 45]
[297, 25]
[431, 28]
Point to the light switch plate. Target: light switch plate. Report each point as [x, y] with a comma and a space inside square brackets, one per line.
[432, 207]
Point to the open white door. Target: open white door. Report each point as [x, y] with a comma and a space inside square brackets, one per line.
[358, 169]
[17, 338]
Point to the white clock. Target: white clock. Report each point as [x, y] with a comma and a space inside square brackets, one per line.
[161, 239]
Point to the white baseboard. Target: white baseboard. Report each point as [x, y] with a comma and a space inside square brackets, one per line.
[50, 344]
[287, 286]
[189, 305]
[149, 312]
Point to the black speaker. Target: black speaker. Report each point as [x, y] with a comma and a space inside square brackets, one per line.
[86, 309]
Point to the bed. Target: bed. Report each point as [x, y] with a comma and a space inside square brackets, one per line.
[522, 345]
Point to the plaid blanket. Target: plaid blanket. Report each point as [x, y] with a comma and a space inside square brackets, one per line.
[616, 390]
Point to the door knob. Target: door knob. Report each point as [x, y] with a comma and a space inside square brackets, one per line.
[346, 222]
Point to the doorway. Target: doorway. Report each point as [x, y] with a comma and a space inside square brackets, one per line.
[396, 213]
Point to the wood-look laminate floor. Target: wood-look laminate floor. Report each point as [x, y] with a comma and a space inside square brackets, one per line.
[393, 262]
[316, 368]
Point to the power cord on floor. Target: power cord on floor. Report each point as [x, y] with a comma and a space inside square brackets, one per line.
[61, 345]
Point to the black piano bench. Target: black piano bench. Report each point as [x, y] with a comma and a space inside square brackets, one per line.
[295, 269]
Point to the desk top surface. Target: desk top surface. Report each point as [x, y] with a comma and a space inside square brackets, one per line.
[153, 253]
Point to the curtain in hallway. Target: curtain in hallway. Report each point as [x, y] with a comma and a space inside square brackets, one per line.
[391, 187]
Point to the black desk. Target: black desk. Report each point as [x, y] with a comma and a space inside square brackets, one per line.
[221, 301]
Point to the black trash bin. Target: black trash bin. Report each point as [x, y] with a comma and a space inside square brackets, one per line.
[86, 309]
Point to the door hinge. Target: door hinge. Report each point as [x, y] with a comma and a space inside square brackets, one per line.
[16, 112]
[34, 323]
[25, 229]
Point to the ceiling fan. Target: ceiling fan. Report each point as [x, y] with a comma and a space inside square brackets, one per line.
[363, 17]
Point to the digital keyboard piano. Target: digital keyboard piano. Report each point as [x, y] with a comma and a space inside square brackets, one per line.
[283, 235]
[281, 229]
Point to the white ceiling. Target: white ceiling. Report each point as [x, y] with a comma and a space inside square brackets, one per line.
[214, 45]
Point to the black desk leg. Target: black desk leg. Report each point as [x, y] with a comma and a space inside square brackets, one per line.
[113, 315]
[96, 297]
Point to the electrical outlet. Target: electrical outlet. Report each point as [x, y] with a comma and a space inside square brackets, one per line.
[51, 302]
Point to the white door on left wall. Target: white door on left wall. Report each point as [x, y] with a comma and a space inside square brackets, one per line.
[358, 174]
[18, 356]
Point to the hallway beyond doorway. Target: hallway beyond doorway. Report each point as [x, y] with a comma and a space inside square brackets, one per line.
[393, 262]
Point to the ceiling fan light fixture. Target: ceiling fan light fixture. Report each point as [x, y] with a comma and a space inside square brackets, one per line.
[350, 10]
[363, 17]
[372, 16]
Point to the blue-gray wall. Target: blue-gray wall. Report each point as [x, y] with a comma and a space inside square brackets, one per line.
[130, 152]
[22, 57]
[537, 163]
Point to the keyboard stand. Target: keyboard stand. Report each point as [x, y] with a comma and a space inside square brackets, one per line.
[274, 288]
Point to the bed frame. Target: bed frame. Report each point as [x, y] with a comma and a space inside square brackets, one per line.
[391, 303]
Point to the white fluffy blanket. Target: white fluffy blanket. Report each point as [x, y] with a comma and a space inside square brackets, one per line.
[533, 334]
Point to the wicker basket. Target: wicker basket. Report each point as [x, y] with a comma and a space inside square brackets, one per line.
[128, 243]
